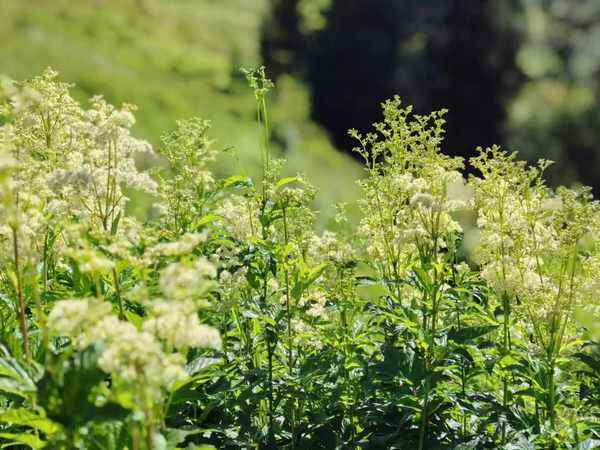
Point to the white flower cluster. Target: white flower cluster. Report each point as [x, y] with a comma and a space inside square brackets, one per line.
[231, 282]
[533, 244]
[154, 354]
[328, 247]
[182, 280]
[77, 317]
[90, 261]
[317, 300]
[184, 190]
[178, 326]
[408, 213]
[183, 246]
[134, 356]
[239, 216]
[75, 161]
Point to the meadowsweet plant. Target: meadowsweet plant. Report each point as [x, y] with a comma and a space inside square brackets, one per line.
[537, 254]
[185, 191]
[503, 193]
[411, 194]
[459, 312]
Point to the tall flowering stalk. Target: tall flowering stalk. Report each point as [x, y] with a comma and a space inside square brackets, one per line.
[533, 253]
[559, 282]
[503, 225]
[9, 208]
[410, 195]
[187, 187]
[261, 85]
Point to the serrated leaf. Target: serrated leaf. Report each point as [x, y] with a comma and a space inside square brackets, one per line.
[198, 364]
[25, 417]
[177, 436]
[470, 333]
[237, 180]
[72, 407]
[588, 444]
[285, 181]
[206, 219]
[24, 438]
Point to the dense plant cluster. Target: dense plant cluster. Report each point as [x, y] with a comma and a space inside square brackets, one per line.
[458, 314]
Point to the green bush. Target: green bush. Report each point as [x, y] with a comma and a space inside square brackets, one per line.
[455, 315]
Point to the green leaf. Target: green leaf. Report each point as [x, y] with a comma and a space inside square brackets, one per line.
[372, 291]
[177, 436]
[134, 318]
[199, 364]
[470, 333]
[285, 181]
[590, 361]
[201, 374]
[423, 278]
[23, 438]
[206, 220]
[66, 396]
[115, 224]
[588, 444]
[25, 417]
[108, 436]
[237, 180]
[304, 277]
[16, 378]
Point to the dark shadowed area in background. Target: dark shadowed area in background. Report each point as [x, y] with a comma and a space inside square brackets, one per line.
[520, 73]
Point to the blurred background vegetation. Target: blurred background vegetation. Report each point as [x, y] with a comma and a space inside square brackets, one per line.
[521, 73]
[176, 59]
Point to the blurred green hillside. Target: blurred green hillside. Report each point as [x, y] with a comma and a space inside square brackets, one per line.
[174, 59]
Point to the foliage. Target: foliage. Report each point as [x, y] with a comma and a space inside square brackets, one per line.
[432, 53]
[454, 316]
[558, 57]
[175, 59]
[523, 73]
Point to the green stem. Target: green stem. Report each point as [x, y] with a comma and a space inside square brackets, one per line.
[289, 333]
[552, 393]
[45, 262]
[463, 380]
[270, 384]
[118, 292]
[424, 415]
[270, 351]
[20, 298]
[287, 298]
[505, 351]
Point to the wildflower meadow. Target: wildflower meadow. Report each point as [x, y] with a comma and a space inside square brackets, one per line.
[147, 304]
